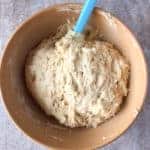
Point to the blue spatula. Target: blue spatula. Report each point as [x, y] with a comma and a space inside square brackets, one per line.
[84, 15]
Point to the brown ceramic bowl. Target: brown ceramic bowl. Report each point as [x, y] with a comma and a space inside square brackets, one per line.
[30, 118]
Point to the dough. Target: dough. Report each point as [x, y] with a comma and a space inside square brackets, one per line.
[80, 82]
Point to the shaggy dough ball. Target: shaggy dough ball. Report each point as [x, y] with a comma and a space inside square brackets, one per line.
[79, 82]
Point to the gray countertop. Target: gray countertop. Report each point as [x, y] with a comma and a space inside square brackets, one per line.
[134, 13]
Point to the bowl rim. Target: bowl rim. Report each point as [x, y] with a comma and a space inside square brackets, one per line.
[30, 18]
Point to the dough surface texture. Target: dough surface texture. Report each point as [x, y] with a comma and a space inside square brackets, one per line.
[79, 82]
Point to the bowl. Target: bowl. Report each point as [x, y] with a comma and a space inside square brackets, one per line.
[26, 113]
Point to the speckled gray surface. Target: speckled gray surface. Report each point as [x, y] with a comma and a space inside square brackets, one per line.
[134, 13]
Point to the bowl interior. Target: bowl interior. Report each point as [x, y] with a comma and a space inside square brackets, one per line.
[26, 113]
